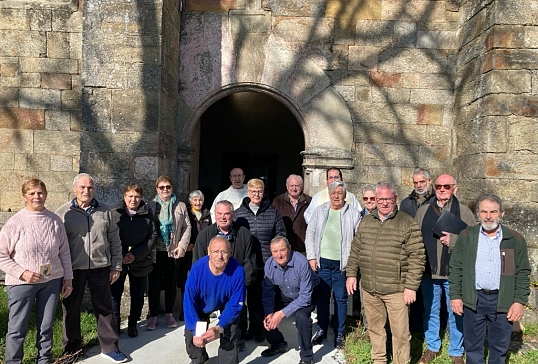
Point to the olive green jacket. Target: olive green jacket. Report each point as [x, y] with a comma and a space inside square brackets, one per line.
[390, 253]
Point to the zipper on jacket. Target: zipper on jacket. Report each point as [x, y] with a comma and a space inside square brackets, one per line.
[375, 251]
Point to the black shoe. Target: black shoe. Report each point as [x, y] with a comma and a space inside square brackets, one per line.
[339, 342]
[307, 361]
[132, 331]
[259, 338]
[319, 336]
[241, 345]
[276, 349]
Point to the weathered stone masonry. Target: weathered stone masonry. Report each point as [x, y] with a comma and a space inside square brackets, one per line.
[379, 87]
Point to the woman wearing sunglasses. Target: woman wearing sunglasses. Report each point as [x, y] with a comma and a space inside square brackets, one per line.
[174, 232]
[368, 197]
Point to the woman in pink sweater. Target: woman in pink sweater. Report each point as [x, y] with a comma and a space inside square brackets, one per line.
[34, 254]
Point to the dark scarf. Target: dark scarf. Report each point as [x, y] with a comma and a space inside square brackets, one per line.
[430, 238]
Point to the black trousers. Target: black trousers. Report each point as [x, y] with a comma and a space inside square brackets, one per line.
[228, 350]
[163, 276]
[137, 288]
[99, 284]
[303, 322]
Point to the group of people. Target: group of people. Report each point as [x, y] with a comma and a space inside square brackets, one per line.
[257, 262]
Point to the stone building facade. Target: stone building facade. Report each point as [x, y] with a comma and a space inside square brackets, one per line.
[118, 89]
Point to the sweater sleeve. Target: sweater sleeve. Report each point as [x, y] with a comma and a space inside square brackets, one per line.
[9, 235]
[65, 254]
[233, 307]
[311, 208]
[190, 296]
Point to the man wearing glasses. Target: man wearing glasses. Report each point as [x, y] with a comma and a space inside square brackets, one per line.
[215, 282]
[389, 251]
[422, 192]
[333, 174]
[264, 222]
[435, 279]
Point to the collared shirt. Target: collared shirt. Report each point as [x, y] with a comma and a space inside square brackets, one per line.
[488, 260]
[296, 282]
[225, 235]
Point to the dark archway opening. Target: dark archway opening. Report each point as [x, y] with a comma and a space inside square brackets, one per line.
[253, 131]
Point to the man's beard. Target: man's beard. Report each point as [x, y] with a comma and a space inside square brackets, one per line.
[490, 225]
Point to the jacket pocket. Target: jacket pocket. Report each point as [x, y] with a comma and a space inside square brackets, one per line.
[508, 262]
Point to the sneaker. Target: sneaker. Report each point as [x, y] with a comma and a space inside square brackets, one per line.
[132, 331]
[318, 337]
[275, 349]
[339, 342]
[116, 356]
[152, 322]
[457, 359]
[169, 319]
[241, 345]
[428, 356]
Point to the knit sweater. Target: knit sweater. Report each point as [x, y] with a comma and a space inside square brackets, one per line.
[206, 292]
[30, 239]
[232, 194]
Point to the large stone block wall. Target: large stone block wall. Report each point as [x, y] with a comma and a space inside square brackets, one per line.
[87, 86]
[40, 92]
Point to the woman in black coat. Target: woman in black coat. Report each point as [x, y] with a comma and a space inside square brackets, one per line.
[200, 219]
[138, 236]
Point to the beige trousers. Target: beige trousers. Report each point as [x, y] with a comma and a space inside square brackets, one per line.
[377, 308]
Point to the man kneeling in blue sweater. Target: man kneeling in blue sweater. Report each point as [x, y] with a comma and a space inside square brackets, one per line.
[215, 282]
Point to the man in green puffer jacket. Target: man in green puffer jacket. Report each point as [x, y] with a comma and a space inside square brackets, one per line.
[389, 251]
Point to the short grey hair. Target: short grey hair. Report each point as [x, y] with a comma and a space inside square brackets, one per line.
[196, 193]
[491, 198]
[423, 171]
[386, 185]
[368, 188]
[278, 239]
[225, 203]
[334, 185]
[296, 176]
[80, 175]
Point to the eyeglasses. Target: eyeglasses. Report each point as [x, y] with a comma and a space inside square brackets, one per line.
[386, 199]
[446, 187]
[258, 192]
[167, 187]
[216, 253]
[366, 199]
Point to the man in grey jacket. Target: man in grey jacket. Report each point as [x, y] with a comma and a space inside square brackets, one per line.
[96, 257]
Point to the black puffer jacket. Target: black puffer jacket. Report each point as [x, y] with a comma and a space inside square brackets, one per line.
[264, 225]
[138, 236]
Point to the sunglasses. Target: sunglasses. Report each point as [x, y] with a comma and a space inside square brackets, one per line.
[365, 199]
[446, 187]
[167, 187]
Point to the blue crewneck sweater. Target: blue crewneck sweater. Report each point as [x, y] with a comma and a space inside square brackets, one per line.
[206, 292]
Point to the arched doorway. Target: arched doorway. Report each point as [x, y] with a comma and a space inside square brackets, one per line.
[253, 131]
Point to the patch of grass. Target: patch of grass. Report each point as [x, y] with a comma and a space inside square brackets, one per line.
[357, 347]
[88, 327]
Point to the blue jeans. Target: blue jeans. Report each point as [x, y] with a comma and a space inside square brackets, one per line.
[432, 291]
[331, 277]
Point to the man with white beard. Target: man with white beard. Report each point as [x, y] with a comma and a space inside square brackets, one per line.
[489, 282]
